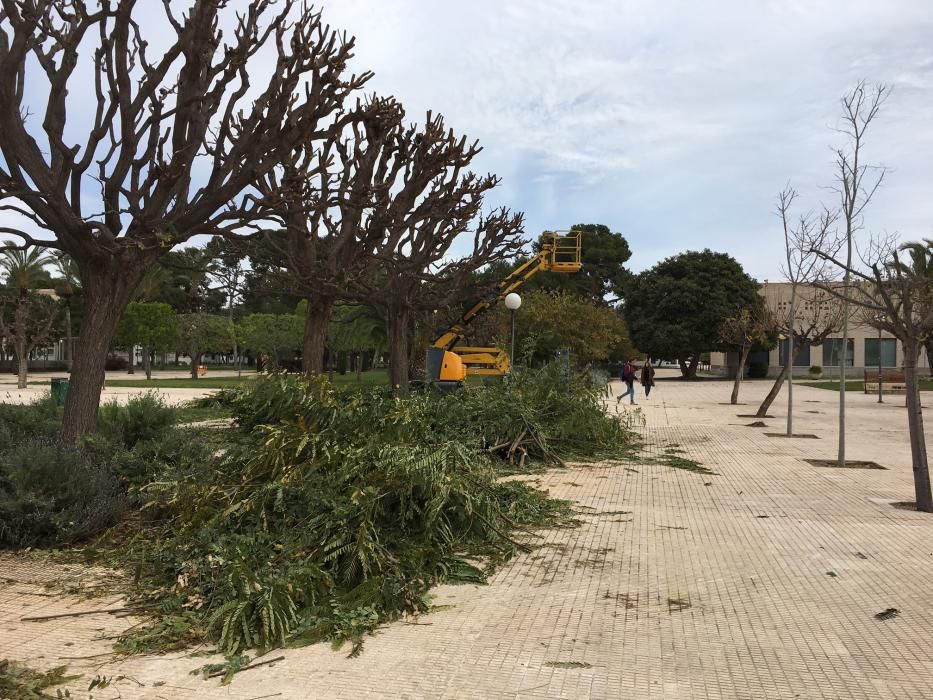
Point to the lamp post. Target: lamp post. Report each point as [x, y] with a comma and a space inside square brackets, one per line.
[512, 302]
[881, 318]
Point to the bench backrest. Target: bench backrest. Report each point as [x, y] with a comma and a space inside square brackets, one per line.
[887, 375]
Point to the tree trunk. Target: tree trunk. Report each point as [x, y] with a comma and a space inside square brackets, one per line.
[399, 318]
[22, 362]
[147, 362]
[195, 362]
[131, 354]
[739, 374]
[359, 367]
[775, 390]
[682, 361]
[107, 291]
[692, 367]
[316, 319]
[790, 353]
[918, 448]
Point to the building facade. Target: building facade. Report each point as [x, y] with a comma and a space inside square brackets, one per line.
[818, 309]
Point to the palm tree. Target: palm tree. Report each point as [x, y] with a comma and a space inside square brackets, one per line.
[69, 284]
[23, 268]
[920, 268]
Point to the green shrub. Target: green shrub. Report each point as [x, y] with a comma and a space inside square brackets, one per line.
[143, 418]
[758, 370]
[51, 494]
[39, 418]
[816, 369]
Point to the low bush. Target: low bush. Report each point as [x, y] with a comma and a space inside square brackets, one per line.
[39, 418]
[143, 418]
[757, 370]
[333, 510]
[52, 494]
[115, 363]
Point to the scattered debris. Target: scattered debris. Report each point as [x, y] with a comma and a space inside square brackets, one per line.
[707, 483]
[677, 604]
[887, 614]
[568, 664]
[757, 424]
[849, 464]
[762, 516]
[860, 555]
[832, 574]
[39, 618]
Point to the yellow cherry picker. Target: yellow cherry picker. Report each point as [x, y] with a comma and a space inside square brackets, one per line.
[448, 364]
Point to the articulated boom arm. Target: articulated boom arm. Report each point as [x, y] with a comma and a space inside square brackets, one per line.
[560, 252]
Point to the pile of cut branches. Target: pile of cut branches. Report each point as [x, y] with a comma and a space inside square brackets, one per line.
[332, 511]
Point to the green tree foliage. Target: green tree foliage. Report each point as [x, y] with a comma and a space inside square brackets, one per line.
[560, 319]
[154, 326]
[676, 308]
[201, 333]
[27, 321]
[271, 336]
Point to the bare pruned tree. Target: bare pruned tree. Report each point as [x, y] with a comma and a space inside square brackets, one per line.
[817, 316]
[892, 292]
[175, 143]
[856, 184]
[325, 201]
[750, 326]
[801, 266]
[425, 201]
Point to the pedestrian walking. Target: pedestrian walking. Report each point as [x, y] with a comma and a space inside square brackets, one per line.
[647, 377]
[627, 375]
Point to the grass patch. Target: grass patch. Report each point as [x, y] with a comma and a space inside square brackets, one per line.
[374, 377]
[192, 412]
[859, 385]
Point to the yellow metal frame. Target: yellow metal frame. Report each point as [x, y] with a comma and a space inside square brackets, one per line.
[560, 252]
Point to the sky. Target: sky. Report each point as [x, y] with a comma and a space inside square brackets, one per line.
[673, 123]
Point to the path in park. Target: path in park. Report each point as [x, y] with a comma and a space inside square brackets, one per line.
[761, 581]
[39, 384]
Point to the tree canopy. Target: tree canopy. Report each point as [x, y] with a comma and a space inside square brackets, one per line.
[604, 254]
[560, 319]
[676, 308]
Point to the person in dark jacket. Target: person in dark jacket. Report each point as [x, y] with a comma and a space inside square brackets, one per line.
[627, 375]
[647, 377]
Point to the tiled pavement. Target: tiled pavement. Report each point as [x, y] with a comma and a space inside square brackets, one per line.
[677, 585]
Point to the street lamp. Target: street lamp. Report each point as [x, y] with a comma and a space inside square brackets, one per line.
[880, 318]
[512, 302]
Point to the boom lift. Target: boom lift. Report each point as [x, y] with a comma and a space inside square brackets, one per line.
[448, 365]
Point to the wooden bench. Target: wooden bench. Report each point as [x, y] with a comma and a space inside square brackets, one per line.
[892, 381]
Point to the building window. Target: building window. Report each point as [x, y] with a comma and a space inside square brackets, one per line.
[802, 358]
[888, 352]
[832, 350]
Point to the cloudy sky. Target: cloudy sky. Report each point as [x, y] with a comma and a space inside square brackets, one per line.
[675, 123]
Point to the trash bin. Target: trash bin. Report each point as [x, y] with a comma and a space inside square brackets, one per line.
[59, 390]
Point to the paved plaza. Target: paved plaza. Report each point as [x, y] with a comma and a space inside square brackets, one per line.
[762, 580]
